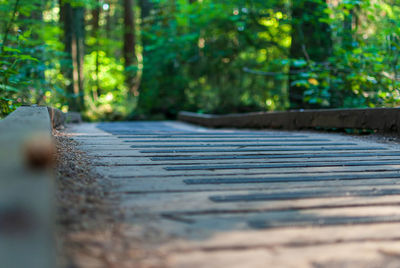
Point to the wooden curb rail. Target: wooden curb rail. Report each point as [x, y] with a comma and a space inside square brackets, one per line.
[379, 119]
[26, 189]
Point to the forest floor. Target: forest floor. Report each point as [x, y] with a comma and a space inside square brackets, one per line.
[128, 198]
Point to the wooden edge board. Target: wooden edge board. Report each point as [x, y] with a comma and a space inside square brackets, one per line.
[379, 119]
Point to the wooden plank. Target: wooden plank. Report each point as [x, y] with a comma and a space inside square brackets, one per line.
[355, 148]
[127, 172]
[241, 145]
[273, 156]
[283, 165]
[381, 119]
[26, 189]
[129, 161]
[302, 195]
[242, 140]
[210, 135]
[374, 245]
[392, 175]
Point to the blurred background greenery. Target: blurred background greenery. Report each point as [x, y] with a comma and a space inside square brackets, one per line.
[149, 59]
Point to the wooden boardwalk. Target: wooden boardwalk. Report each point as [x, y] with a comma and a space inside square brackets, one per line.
[230, 198]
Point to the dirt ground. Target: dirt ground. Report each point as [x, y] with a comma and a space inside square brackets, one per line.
[90, 228]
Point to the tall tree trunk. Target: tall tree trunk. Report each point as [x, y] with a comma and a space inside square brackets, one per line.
[129, 51]
[145, 10]
[311, 40]
[108, 25]
[95, 33]
[73, 21]
[146, 7]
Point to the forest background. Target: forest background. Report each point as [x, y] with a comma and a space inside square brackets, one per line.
[137, 59]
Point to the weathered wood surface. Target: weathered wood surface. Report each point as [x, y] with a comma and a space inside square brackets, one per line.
[26, 190]
[380, 119]
[253, 198]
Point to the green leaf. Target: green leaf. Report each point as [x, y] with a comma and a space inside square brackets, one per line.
[10, 49]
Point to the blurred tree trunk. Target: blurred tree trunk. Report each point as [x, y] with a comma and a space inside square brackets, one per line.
[146, 7]
[95, 33]
[108, 23]
[72, 19]
[129, 51]
[311, 40]
[38, 73]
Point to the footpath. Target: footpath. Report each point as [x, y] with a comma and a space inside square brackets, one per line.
[238, 198]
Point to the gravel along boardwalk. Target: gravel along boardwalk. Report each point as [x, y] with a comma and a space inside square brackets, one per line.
[243, 198]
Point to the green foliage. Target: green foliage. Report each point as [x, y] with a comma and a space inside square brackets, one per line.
[362, 70]
[206, 56]
[197, 54]
[28, 62]
[105, 89]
